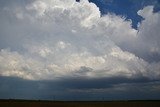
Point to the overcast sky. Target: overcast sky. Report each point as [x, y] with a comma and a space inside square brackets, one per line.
[80, 50]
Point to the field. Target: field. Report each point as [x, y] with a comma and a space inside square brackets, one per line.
[38, 103]
[32, 103]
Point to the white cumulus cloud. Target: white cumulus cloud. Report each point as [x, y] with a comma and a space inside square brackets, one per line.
[51, 39]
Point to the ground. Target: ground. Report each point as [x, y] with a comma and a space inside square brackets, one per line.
[38, 103]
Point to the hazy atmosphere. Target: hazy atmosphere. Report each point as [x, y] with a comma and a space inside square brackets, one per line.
[80, 49]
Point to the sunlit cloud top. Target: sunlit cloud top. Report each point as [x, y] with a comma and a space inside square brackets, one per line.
[54, 39]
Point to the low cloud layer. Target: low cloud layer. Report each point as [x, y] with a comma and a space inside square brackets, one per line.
[55, 39]
[118, 88]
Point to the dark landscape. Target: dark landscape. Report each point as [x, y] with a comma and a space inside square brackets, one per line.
[43, 103]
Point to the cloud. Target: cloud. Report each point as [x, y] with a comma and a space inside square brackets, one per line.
[79, 89]
[57, 39]
[148, 30]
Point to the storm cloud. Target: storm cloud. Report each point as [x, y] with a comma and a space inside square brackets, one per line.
[57, 45]
[79, 89]
[54, 39]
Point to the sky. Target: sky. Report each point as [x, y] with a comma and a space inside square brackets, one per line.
[80, 50]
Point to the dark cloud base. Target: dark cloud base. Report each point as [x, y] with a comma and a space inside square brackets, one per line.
[80, 89]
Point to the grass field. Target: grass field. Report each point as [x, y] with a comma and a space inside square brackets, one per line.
[32, 103]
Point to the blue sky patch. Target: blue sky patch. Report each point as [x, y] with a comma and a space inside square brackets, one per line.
[127, 8]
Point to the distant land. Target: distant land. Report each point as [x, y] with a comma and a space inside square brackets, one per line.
[49, 103]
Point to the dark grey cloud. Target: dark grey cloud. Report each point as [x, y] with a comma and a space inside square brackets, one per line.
[79, 89]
